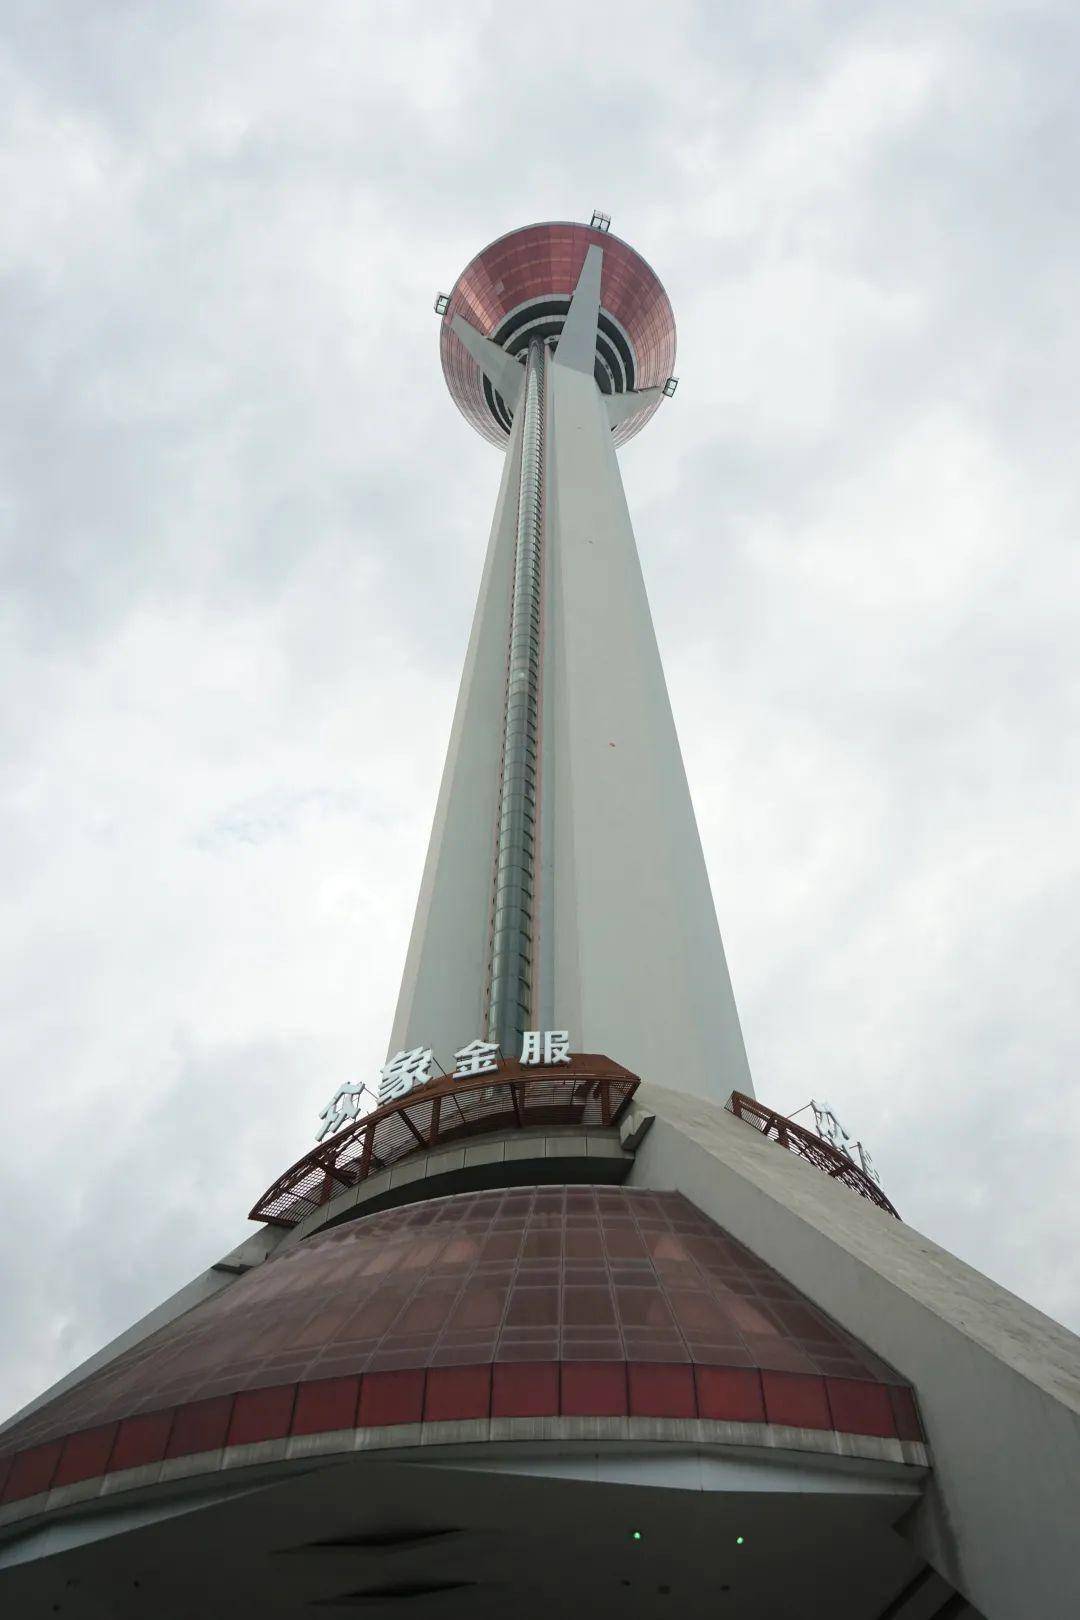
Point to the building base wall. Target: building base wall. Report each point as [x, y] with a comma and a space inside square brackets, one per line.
[998, 1383]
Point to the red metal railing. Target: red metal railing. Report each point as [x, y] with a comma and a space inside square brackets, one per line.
[589, 1091]
[810, 1146]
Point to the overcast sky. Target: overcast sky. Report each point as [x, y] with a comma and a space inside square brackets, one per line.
[242, 534]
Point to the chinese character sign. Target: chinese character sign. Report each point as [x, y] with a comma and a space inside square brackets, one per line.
[540, 1048]
[408, 1069]
[544, 1047]
[343, 1106]
[830, 1130]
[479, 1057]
[868, 1164]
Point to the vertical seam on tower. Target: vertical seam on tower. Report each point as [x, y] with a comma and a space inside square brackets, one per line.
[513, 890]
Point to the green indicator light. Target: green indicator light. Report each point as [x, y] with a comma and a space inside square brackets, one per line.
[739, 1540]
[635, 1535]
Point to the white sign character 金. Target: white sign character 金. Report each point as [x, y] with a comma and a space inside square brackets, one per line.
[479, 1057]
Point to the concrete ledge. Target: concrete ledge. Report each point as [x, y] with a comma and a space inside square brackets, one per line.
[523, 1147]
[199, 1462]
[131, 1479]
[467, 1441]
[301, 1446]
[411, 1170]
[565, 1147]
[515, 1158]
[255, 1453]
[604, 1147]
[485, 1153]
[634, 1127]
[441, 1163]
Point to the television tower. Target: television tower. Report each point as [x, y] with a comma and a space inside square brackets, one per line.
[565, 884]
[555, 1311]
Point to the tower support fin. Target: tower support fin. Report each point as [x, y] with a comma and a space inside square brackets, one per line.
[577, 343]
[501, 369]
[620, 406]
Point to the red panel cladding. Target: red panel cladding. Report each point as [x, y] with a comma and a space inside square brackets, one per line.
[545, 260]
[391, 1397]
[329, 1403]
[859, 1407]
[730, 1394]
[525, 1389]
[797, 1400]
[662, 1389]
[141, 1440]
[202, 1426]
[32, 1471]
[693, 1312]
[905, 1412]
[457, 1392]
[261, 1414]
[85, 1455]
[594, 1389]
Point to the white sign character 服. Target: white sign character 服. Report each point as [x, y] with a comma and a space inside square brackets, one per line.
[541, 1047]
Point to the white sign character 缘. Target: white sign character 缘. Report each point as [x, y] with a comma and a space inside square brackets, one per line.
[408, 1069]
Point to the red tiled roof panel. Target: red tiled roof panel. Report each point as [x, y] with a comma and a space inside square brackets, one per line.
[557, 1301]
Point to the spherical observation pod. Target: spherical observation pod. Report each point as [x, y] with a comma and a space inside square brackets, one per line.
[520, 287]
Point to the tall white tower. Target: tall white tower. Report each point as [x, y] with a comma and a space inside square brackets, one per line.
[565, 883]
[578, 1323]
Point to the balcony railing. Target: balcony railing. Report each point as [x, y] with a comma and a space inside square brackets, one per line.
[589, 1092]
[809, 1146]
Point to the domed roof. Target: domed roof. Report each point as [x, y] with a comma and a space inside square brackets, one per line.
[520, 287]
[560, 1302]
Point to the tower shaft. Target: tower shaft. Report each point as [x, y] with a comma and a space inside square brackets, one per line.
[513, 906]
[564, 772]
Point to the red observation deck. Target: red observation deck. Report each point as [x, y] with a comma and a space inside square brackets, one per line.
[520, 287]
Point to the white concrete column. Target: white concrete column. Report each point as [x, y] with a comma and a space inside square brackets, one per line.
[639, 967]
[441, 1003]
[626, 950]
